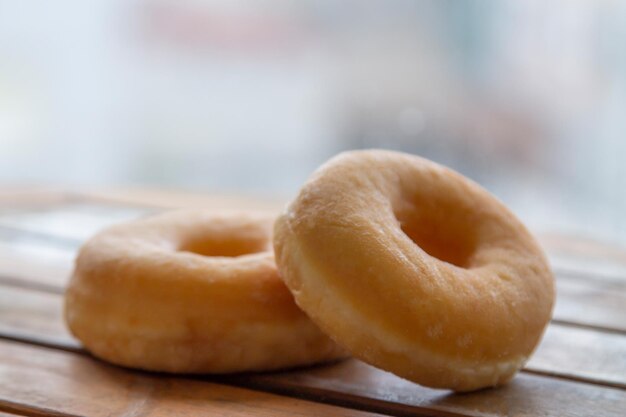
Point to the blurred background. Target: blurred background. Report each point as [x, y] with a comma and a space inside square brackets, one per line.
[526, 97]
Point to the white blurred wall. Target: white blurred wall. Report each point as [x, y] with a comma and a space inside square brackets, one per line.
[528, 98]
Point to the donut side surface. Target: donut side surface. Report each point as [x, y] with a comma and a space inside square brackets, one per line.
[415, 269]
[190, 292]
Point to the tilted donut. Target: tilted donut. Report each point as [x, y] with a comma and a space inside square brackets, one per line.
[190, 292]
[415, 269]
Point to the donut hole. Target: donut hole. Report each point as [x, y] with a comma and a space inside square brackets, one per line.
[224, 247]
[449, 237]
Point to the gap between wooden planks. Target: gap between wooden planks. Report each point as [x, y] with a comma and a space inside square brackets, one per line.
[35, 317]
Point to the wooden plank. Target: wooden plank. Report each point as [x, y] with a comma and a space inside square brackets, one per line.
[578, 303]
[527, 395]
[581, 354]
[592, 276]
[590, 305]
[35, 265]
[162, 198]
[570, 254]
[586, 260]
[68, 224]
[565, 351]
[597, 358]
[581, 300]
[38, 243]
[577, 249]
[586, 297]
[6, 414]
[594, 305]
[61, 383]
[34, 316]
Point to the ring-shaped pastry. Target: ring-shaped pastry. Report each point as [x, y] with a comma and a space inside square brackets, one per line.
[190, 292]
[415, 269]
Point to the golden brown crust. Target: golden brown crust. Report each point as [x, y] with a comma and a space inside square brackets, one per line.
[415, 269]
[144, 295]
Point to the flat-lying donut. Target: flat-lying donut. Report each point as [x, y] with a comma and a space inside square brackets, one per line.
[415, 269]
[190, 292]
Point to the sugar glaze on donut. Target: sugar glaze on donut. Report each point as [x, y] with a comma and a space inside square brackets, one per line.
[415, 269]
[190, 292]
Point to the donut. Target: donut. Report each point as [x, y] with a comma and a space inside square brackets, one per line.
[415, 269]
[190, 292]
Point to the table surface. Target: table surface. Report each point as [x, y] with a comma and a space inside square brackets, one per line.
[578, 370]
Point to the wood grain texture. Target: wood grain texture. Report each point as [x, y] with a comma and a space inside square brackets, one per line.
[581, 354]
[574, 249]
[68, 224]
[566, 352]
[61, 383]
[73, 217]
[578, 301]
[34, 267]
[527, 395]
[579, 369]
[588, 304]
[34, 316]
[583, 301]
[593, 276]
[579, 250]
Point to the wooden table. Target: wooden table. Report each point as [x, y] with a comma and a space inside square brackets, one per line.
[579, 369]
